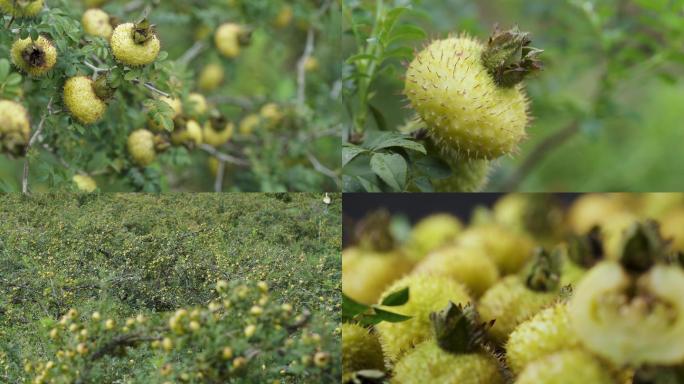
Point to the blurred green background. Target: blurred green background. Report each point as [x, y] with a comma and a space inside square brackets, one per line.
[610, 96]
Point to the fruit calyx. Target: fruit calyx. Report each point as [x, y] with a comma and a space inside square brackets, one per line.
[143, 31]
[642, 247]
[458, 329]
[103, 89]
[586, 250]
[34, 56]
[544, 271]
[218, 121]
[509, 58]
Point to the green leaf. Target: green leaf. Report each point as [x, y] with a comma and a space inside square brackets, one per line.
[391, 317]
[13, 79]
[350, 151]
[397, 298]
[378, 117]
[368, 185]
[391, 168]
[402, 142]
[406, 32]
[4, 69]
[351, 308]
[433, 167]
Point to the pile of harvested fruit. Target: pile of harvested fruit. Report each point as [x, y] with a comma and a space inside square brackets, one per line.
[533, 290]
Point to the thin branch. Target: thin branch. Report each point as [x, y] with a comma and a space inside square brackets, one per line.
[318, 166]
[241, 102]
[301, 67]
[34, 137]
[151, 87]
[192, 53]
[220, 174]
[224, 157]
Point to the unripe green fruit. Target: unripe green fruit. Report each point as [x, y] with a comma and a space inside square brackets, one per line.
[211, 77]
[510, 302]
[630, 327]
[35, 58]
[427, 294]
[566, 367]
[366, 274]
[21, 8]
[191, 133]
[15, 129]
[469, 266]
[176, 105]
[228, 39]
[141, 147]
[432, 232]
[360, 350]
[547, 332]
[509, 251]
[127, 51]
[428, 363]
[96, 23]
[217, 138]
[85, 183]
[81, 100]
[464, 109]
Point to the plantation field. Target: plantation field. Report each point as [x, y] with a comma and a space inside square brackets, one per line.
[142, 257]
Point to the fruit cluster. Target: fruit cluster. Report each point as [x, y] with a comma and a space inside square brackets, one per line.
[531, 291]
[240, 335]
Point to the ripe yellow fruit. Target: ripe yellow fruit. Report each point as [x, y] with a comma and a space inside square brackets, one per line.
[34, 57]
[127, 51]
[227, 353]
[14, 128]
[426, 294]
[211, 77]
[311, 64]
[469, 94]
[249, 123]
[566, 367]
[217, 138]
[81, 100]
[272, 113]
[96, 23]
[431, 233]
[250, 330]
[191, 133]
[198, 104]
[672, 228]
[167, 344]
[229, 38]
[175, 103]
[366, 274]
[19, 9]
[141, 147]
[321, 359]
[109, 324]
[360, 350]
[85, 183]
[509, 251]
[284, 17]
[593, 209]
[468, 175]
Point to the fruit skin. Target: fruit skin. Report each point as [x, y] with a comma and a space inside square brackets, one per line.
[211, 77]
[47, 52]
[128, 52]
[547, 332]
[249, 123]
[81, 100]
[191, 133]
[427, 363]
[469, 266]
[593, 209]
[15, 129]
[272, 114]
[510, 303]
[467, 175]
[637, 330]
[464, 109]
[96, 23]
[426, 294]
[672, 228]
[176, 104]
[227, 39]
[432, 232]
[566, 367]
[217, 138]
[509, 251]
[32, 9]
[198, 104]
[366, 274]
[141, 147]
[360, 350]
[85, 183]
[284, 17]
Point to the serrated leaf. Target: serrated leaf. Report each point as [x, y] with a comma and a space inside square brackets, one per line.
[403, 143]
[350, 151]
[391, 168]
[368, 185]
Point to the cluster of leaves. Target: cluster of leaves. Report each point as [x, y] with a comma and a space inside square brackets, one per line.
[124, 255]
[292, 152]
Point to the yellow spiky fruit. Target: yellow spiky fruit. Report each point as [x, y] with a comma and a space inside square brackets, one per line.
[176, 105]
[211, 77]
[432, 232]
[360, 350]
[467, 176]
[249, 124]
[366, 274]
[626, 327]
[510, 302]
[21, 8]
[85, 183]
[547, 332]
[566, 367]
[96, 23]
[426, 294]
[191, 133]
[34, 57]
[463, 92]
[15, 128]
[271, 113]
[672, 228]
[658, 205]
[509, 251]
[133, 46]
[82, 101]
[469, 266]
[217, 138]
[593, 209]
[141, 147]
[284, 17]
[198, 104]
[229, 38]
